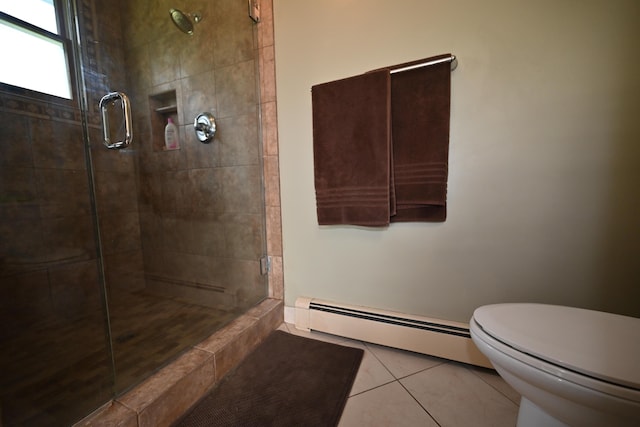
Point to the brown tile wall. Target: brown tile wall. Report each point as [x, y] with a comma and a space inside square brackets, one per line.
[46, 225]
[48, 265]
[201, 207]
[114, 171]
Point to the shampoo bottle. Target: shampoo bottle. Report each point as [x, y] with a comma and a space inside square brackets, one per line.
[171, 135]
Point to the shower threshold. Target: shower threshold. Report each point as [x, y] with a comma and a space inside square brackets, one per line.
[165, 396]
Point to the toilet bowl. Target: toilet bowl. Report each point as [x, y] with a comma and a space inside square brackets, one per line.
[572, 367]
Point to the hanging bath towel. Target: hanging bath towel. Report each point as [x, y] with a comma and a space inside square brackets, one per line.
[420, 116]
[352, 151]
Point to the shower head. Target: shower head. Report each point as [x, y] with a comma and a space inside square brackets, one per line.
[182, 20]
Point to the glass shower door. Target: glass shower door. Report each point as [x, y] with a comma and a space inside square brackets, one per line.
[182, 226]
[169, 239]
[55, 358]
[55, 361]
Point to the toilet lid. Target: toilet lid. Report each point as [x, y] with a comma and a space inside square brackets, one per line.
[602, 345]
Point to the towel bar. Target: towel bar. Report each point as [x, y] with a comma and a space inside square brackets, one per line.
[452, 59]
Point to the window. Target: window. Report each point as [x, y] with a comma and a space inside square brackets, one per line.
[33, 47]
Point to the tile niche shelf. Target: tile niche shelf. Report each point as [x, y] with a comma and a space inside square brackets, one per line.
[163, 107]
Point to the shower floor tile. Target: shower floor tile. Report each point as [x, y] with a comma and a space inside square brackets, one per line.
[56, 369]
[149, 330]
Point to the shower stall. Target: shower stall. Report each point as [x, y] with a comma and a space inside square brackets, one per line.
[115, 260]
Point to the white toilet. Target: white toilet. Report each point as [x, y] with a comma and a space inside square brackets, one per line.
[573, 367]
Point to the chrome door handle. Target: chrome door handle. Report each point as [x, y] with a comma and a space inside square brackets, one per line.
[111, 99]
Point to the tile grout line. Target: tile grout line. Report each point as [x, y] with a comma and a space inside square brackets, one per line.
[441, 362]
[418, 402]
[378, 359]
[372, 388]
[493, 387]
[400, 383]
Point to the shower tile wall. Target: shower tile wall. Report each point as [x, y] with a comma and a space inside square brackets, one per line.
[50, 296]
[201, 207]
[45, 213]
[114, 170]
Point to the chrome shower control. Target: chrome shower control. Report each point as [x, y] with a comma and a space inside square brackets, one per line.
[205, 127]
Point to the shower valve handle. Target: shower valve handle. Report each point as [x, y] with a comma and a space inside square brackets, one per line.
[205, 127]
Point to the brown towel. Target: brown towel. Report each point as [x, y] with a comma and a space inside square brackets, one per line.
[351, 150]
[381, 145]
[420, 112]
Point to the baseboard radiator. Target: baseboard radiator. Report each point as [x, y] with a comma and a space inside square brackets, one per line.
[441, 338]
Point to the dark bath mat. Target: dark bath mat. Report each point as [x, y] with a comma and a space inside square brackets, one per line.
[287, 381]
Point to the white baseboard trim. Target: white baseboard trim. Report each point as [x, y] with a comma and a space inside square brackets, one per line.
[435, 337]
[289, 315]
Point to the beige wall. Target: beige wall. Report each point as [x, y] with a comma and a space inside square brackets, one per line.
[544, 203]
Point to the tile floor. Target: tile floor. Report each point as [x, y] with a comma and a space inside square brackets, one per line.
[400, 388]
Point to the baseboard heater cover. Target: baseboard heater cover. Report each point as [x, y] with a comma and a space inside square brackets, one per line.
[434, 337]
